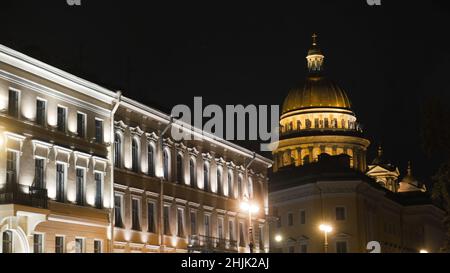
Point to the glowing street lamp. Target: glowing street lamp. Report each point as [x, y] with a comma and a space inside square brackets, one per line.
[250, 208]
[326, 229]
[423, 251]
[278, 238]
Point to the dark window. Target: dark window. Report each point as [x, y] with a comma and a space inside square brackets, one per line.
[179, 168]
[219, 182]
[38, 243]
[206, 177]
[117, 150]
[292, 249]
[326, 123]
[97, 246]
[59, 244]
[340, 213]
[40, 112]
[39, 173]
[341, 247]
[240, 190]
[98, 131]
[60, 182]
[231, 230]
[118, 211]
[11, 169]
[302, 217]
[290, 219]
[207, 225]
[308, 124]
[220, 228]
[241, 235]
[98, 190]
[166, 220]
[79, 245]
[80, 186]
[81, 125]
[304, 248]
[306, 159]
[7, 242]
[135, 155]
[166, 165]
[61, 120]
[192, 172]
[180, 223]
[316, 123]
[13, 103]
[230, 183]
[151, 160]
[151, 217]
[135, 215]
[193, 223]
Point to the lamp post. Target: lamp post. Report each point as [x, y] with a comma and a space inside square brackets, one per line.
[250, 208]
[326, 229]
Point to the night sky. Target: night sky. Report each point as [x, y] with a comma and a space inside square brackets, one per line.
[388, 58]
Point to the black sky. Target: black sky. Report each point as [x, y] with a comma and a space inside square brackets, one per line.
[388, 58]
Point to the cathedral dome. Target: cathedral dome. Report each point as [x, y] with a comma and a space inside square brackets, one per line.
[317, 91]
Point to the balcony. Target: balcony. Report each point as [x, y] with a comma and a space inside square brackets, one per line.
[24, 195]
[208, 244]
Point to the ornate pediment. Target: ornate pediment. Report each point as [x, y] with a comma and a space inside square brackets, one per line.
[120, 125]
[152, 136]
[136, 131]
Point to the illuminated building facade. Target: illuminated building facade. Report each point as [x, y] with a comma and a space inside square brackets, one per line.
[84, 169]
[320, 176]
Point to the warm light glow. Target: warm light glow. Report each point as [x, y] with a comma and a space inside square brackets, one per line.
[174, 241]
[423, 251]
[325, 228]
[278, 238]
[245, 206]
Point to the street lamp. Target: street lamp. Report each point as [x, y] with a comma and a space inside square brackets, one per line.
[250, 208]
[423, 251]
[278, 238]
[326, 229]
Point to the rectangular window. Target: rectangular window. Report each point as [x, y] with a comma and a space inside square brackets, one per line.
[290, 219]
[340, 214]
[302, 217]
[98, 177]
[62, 118]
[261, 238]
[11, 168]
[81, 125]
[79, 245]
[166, 215]
[97, 246]
[241, 235]
[13, 103]
[207, 225]
[98, 131]
[135, 223]
[59, 244]
[292, 249]
[118, 211]
[220, 232]
[40, 112]
[151, 216]
[38, 243]
[180, 222]
[231, 230]
[39, 173]
[193, 223]
[341, 247]
[79, 186]
[304, 248]
[60, 182]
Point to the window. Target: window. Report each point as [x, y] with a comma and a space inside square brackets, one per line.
[240, 190]
[39, 173]
[61, 120]
[231, 230]
[13, 103]
[38, 246]
[290, 219]
[292, 249]
[59, 244]
[316, 123]
[230, 183]
[302, 217]
[79, 245]
[40, 112]
[11, 168]
[135, 223]
[180, 222]
[97, 246]
[192, 171]
[194, 223]
[98, 177]
[7, 243]
[340, 213]
[341, 247]
[219, 181]
[151, 160]
[261, 238]
[166, 215]
[79, 186]
[220, 233]
[208, 225]
[134, 155]
[98, 131]
[81, 125]
[60, 181]
[166, 164]
[303, 248]
[151, 216]
[118, 210]
[308, 124]
[206, 176]
[241, 235]
[179, 168]
[117, 150]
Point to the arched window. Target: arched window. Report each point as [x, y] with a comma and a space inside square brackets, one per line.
[250, 187]
[135, 155]
[240, 191]
[219, 181]
[230, 183]
[206, 176]
[166, 164]
[117, 150]
[7, 244]
[179, 168]
[151, 160]
[192, 172]
[326, 123]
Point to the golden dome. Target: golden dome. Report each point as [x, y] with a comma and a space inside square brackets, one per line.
[317, 91]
